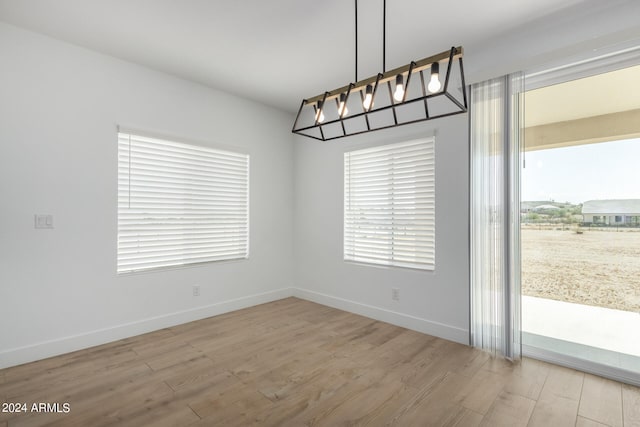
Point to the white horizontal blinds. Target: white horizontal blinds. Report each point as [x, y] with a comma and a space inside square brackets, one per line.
[179, 204]
[389, 206]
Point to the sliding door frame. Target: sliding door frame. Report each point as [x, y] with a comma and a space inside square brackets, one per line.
[590, 64]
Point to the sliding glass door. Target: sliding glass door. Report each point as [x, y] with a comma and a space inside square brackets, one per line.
[580, 223]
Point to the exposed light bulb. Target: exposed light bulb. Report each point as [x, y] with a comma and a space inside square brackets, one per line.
[434, 84]
[342, 108]
[319, 114]
[398, 95]
[368, 98]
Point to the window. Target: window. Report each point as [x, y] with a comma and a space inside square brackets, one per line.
[179, 204]
[389, 205]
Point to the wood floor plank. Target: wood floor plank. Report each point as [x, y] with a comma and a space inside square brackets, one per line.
[509, 410]
[564, 382]
[163, 413]
[429, 412]
[93, 382]
[283, 380]
[435, 402]
[327, 387]
[631, 405]
[230, 404]
[99, 408]
[446, 356]
[559, 411]
[176, 357]
[559, 399]
[440, 357]
[88, 385]
[479, 393]
[132, 395]
[189, 373]
[206, 390]
[601, 401]
[386, 399]
[53, 374]
[527, 378]
[296, 363]
[467, 361]
[470, 419]
[372, 405]
[586, 422]
[159, 346]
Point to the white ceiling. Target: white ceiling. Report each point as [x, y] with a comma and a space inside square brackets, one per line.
[279, 51]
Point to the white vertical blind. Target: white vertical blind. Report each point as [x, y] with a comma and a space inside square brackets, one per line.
[179, 204]
[389, 205]
[496, 131]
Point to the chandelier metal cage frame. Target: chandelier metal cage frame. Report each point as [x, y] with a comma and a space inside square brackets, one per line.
[352, 110]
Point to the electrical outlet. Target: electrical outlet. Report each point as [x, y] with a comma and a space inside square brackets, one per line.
[395, 294]
[43, 221]
[196, 290]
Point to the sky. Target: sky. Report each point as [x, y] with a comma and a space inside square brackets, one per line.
[607, 170]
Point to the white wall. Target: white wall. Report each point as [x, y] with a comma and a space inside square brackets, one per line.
[432, 302]
[59, 106]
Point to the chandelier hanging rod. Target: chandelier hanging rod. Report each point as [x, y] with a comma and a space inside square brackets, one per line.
[420, 65]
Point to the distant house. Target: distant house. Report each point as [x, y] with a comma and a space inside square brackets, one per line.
[612, 212]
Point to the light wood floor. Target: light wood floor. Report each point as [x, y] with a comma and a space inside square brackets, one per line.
[295, 363]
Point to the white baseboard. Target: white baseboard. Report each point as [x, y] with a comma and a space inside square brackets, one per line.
[45, 349]
[399, 319]
[55, 347]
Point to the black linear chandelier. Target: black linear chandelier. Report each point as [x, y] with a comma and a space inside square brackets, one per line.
[374, 104]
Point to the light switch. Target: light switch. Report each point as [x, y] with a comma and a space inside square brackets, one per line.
[43, 221]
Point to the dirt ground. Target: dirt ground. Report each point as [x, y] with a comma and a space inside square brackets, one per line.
[600, 268]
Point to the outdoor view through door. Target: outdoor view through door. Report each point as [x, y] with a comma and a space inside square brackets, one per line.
[580, 216]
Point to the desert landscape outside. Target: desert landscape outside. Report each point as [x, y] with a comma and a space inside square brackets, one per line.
[582, 265]
[580, 232]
